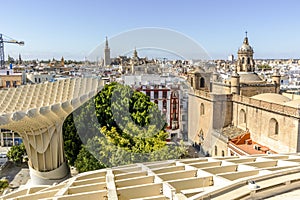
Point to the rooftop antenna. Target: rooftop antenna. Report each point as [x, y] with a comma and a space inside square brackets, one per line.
[246, 33]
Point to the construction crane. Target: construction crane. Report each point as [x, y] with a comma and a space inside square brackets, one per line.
[2, 41]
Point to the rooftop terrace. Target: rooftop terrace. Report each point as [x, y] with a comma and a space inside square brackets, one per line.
[198, 178]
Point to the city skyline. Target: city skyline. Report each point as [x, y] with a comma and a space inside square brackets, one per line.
[74, 28]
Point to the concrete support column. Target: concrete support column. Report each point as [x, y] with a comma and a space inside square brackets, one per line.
[49, 177]
[37, 113]
[46, 154]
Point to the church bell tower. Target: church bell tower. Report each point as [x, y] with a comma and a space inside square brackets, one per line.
[107, 60]
[245, 62]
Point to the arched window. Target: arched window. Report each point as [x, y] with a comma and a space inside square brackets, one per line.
[273, 127]
[248, 61]
[216, 150]
[202, 111]
[192, 82]
[202, 82]
[175, 94]
[243, 60]
[242, 117]
[223, 153]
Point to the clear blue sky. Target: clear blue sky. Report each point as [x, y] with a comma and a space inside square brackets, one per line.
[72, 28]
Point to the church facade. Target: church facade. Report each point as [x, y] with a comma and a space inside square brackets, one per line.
[242, 115]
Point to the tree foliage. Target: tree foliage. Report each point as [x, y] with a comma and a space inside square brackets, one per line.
[119, 126]
[264, 66]
[131, 121]
[78, 128]
[110, 155]
[17, 153]
[72, 142]
[86, 161]
[3, 184]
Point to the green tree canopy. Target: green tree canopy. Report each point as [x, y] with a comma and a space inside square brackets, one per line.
[109, 154]
[119, 126]
[3, 184]
[72, 142]
[86, 161]
[131, 121]
[17, 153]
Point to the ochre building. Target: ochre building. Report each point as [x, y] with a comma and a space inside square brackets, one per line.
[244, 114]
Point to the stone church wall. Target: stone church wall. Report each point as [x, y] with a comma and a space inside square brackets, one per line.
[258, 117]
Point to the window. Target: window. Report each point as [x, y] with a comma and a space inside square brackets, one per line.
[273, 127]
[243, 60]
[248, 61]
[216, 150]
[202, 112]
[155, 94]
[192, 82]
[164, 94]
[174, 116]
[173, 135]
[174, 104]
[223, 153]
[175, 94]
[242, 117]
[15, 83]
[202, 82]
[7, 83]
[164, 104]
